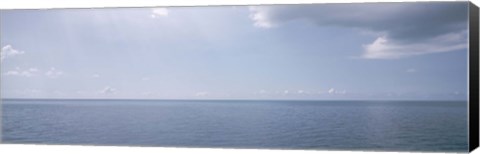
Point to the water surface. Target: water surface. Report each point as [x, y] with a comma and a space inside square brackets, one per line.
[336, 125]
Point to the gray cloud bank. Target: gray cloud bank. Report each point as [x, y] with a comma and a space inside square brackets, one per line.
[403, 29]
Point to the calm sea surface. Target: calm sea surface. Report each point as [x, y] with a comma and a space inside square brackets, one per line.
[336, 125]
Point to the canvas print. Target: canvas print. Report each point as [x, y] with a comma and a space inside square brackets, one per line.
[355, 76]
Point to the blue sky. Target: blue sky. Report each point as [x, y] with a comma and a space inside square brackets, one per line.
[379, 51]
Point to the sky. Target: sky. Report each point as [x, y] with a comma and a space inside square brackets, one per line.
[369, 51]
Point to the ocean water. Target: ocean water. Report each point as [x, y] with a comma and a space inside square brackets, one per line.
[325, 125]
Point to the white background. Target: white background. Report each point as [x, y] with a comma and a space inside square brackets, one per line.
[61, 149]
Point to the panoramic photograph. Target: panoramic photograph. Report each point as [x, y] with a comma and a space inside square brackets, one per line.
[353, 76]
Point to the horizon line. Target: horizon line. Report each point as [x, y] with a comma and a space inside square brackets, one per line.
[225, 99]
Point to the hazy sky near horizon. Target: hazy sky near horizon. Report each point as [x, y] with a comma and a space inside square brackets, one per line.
[385, 51]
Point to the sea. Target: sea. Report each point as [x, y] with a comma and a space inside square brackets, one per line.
[429, 126]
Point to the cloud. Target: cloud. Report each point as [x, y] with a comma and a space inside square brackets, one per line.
[95, 75]
[9, 51]
[300, 91]
[31, 72]
[382, 48]
[331, 91]
[12, 73]
[260, 17]
[53, 73]
[159, 12]
[201, 94]
[23, 73]
[145, 78]
[263, 91]
[402, 29]
[108, 90]
[29, 92]
[341, 92]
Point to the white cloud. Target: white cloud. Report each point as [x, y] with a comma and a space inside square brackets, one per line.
[108, 90]
[53, 73]
[12, 73]
[341, 92]
[159, 12]
[300, 91]
[260, 17]
[26, 74]
[23, 73]
[145, 78]
[383, 48]
[201, 94]
[9, 51]
[331, 91]
[95, 75]
[29, 92]
[32, 72]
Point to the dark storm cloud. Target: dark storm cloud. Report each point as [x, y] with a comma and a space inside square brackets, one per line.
[399, 24]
